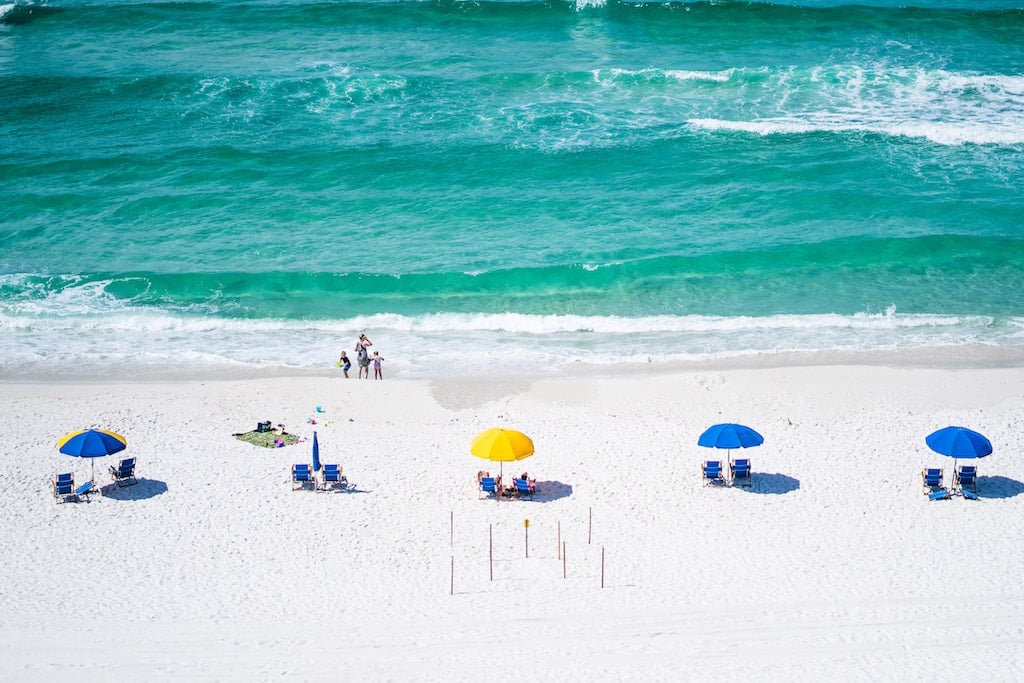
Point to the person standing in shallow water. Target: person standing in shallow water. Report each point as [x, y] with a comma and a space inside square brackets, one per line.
[345, 363]
[377, 360]
[363, 356]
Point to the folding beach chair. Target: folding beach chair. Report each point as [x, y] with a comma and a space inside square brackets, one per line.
[302, 475]
[740, 474]
[84, 489]
[333, 478]
[712, 473]
[965, 477]
[124, 473]
[931, 483]
[524, 489]
[489, 486]
[63, 487]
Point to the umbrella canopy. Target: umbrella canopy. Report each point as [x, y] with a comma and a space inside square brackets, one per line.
[959, 442]
[316, 454]
[91, 443]
[501, 445]
[730, 436]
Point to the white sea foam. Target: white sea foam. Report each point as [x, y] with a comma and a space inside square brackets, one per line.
[136, 341]
[80, 328]
[675, 74]
[947, 108]
[941, 133]
[714, 76]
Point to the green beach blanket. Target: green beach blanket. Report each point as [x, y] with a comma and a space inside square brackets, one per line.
[267, 439]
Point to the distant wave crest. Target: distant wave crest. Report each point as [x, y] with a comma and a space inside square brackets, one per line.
[944, 107]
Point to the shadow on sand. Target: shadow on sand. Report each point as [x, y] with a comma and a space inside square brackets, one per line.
[999, 487]
[350, 488]
[551, 490]
[776, 483]
[146, 488]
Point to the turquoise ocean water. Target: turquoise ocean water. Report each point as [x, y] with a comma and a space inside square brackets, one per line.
[493, 186]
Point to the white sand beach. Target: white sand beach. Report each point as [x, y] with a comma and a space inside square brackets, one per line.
[833, 566]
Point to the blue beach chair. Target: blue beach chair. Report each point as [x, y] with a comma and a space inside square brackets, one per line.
[86, 488]
[302, 475]
[965, 478]
[124, 473]
[712, 473]
[524, 489]
[931, 483]
[333, 478]
[63, 487]
[740, 472]
[490, 486]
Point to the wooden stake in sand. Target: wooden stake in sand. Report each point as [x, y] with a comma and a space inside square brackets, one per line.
[526, 531]
[563, 559]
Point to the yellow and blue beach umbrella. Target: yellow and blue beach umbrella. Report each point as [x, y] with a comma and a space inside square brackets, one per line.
[91, 443]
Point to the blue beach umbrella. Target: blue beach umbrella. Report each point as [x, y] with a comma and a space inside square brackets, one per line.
[959, 442]
[91, 443]
[316, 454]
[729, 436]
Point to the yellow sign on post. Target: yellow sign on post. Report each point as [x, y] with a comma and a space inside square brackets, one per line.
[526, 523]
[526, 533]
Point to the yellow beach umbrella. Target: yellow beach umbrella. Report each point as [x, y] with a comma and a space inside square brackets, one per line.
[501, 445]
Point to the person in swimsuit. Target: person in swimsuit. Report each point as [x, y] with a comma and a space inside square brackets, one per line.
[345, 363]
[377, 360]
[363, 356]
